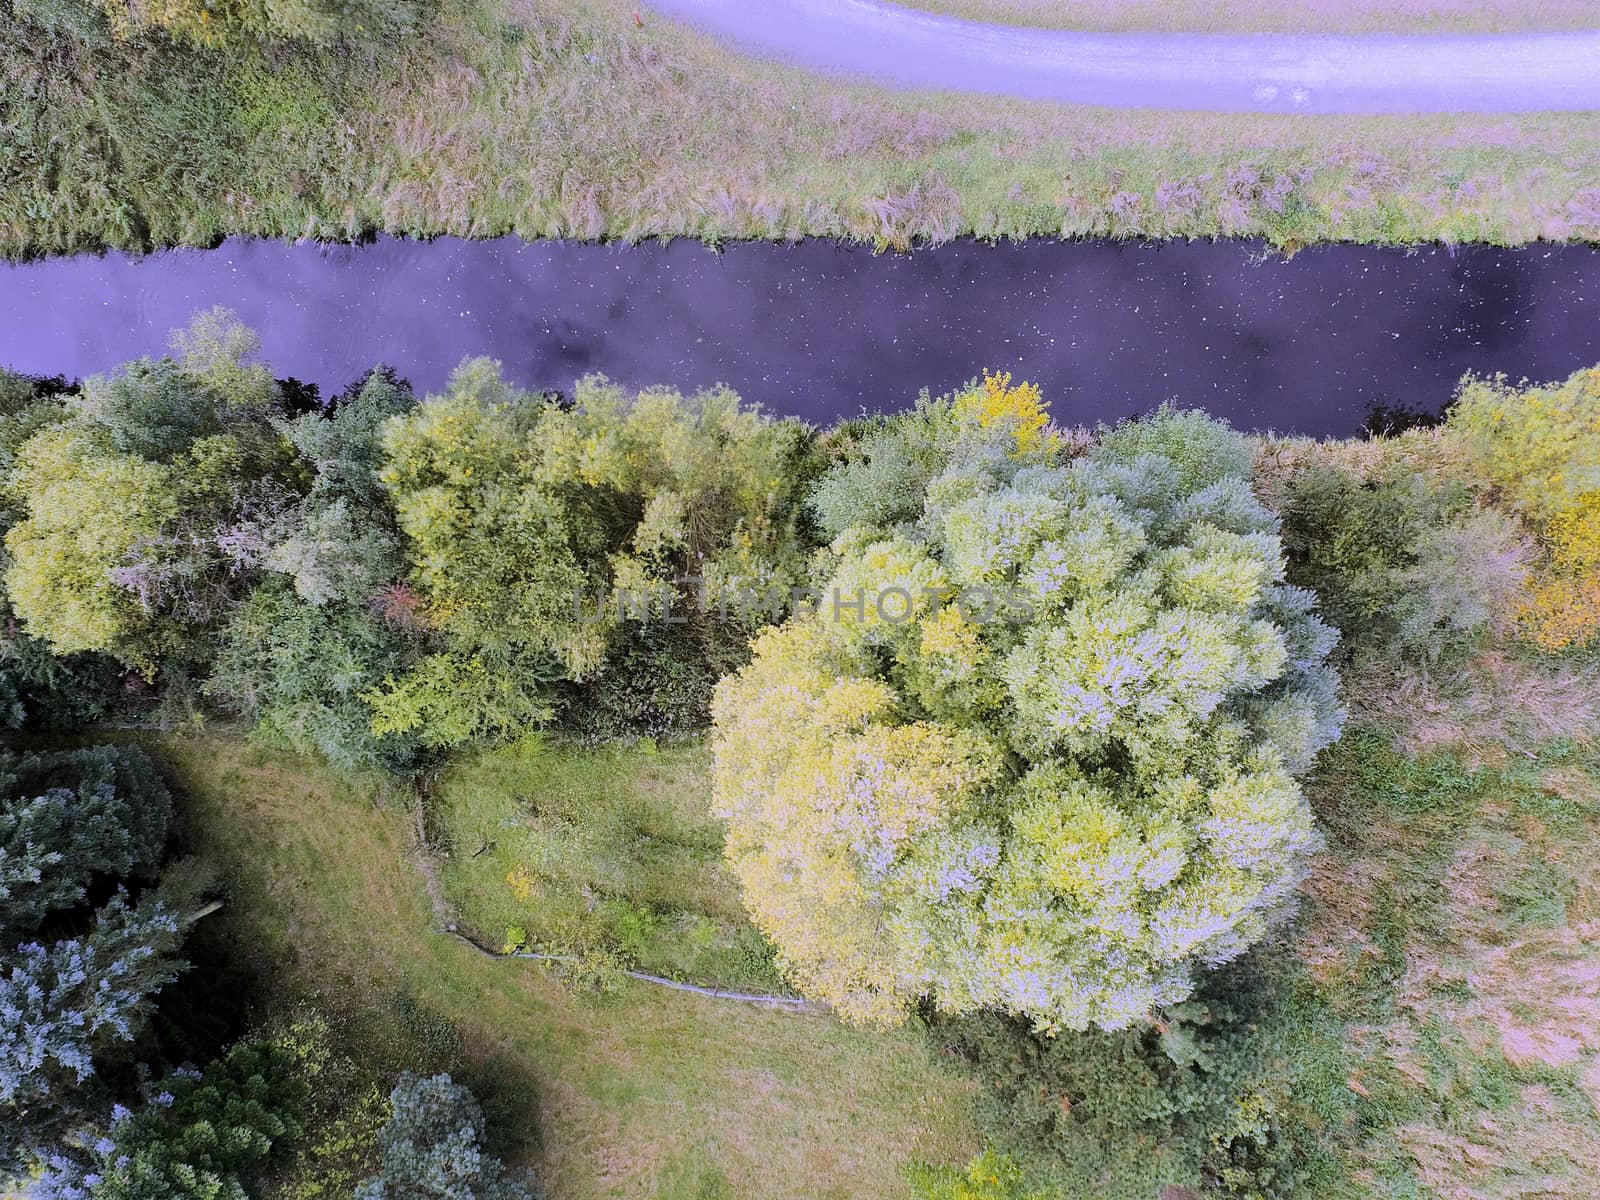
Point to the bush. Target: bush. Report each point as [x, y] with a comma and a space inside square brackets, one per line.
[1061, 811]
[1401, 565]
[658, 683]
[299, 673]
[1173, 1102]
[43, 690]
[433, 1148]
[990, 1176]
[1541, 448]
[80, 19]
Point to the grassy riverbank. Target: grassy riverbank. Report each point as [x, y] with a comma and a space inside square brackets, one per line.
[581, 118]
[1263, 16]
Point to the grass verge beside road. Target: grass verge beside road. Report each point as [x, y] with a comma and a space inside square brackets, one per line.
[581, 118]
[1285, 16]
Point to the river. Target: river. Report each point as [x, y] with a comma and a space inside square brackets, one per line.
[1306, 344]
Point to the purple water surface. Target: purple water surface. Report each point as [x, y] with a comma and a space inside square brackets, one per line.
[1302, 345]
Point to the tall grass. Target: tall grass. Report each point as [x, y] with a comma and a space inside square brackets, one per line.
[575, 118]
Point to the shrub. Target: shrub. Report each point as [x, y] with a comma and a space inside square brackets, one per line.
[299, 673]
[1060, 812]
[658, 682]
[80, 19]
[990, 1176]
[1541, 448]
[433, 1148]
[1402, 565]
[70, 816]
[39, 689]
[1124, 1114]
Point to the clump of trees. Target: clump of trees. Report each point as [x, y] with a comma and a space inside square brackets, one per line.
[384, 576]
[1035, 751]
[144, 502]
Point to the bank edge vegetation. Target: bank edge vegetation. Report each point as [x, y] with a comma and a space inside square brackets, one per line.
[141, 126]
[1064, 841]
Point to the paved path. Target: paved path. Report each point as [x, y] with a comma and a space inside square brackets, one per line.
[1216, 72]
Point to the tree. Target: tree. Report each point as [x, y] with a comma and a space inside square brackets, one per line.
[199, 1135]
[1036, 749]
[527, 519]
[320, 632]
[148, 505]
[433, 1148]
[66, 1003]
[69, 817]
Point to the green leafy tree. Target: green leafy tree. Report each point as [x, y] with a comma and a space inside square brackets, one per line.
[69, 817]
[146, 507]
[433, 1148]
[1035, 751]
[526, 519]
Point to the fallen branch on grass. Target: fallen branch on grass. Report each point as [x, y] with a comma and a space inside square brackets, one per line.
[794, 1003]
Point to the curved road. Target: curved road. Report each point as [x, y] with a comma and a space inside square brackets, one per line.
[1215, 72]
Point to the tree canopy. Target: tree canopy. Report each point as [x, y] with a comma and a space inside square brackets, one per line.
[1036, 748]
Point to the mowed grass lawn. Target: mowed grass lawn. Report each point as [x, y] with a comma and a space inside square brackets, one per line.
[598, 119]
[651, 1094]
[1278, 16]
